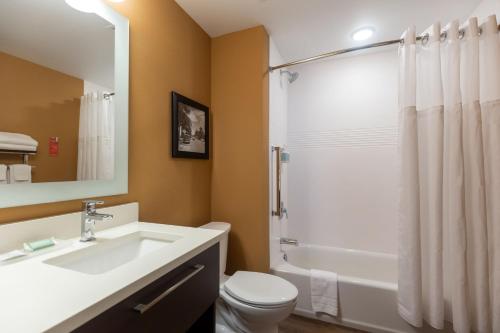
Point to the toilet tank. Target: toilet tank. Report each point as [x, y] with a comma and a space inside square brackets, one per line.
[224, 226]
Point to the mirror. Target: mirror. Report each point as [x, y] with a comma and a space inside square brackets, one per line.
[63, 101]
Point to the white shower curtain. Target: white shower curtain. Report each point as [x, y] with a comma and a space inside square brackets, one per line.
[449, 252]
[96, 139]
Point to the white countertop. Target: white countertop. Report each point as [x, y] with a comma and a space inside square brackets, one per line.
[37, 297]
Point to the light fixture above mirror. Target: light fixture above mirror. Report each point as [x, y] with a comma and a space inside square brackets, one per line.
[86, 6]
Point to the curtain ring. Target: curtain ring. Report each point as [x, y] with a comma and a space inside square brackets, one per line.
[480, 31]
[443, 36]
[402, 42]
[461, 34]
[425, 39]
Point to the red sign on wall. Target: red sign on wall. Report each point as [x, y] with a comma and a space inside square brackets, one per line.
[53, 146]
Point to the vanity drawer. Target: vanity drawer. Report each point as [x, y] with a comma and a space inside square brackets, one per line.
[173, 303]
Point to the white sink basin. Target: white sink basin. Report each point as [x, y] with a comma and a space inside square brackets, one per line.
[109, 254]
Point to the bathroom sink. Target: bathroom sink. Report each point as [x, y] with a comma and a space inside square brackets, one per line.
[108, 254]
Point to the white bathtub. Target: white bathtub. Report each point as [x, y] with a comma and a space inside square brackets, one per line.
[367, 286]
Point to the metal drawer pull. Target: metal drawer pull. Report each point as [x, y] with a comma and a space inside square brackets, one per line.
[145, 307]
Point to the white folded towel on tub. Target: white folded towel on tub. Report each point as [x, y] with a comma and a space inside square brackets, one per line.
[324, 292]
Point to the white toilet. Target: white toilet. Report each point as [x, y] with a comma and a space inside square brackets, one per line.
[250, 302]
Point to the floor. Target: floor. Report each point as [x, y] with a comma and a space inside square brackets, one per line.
[296, 324]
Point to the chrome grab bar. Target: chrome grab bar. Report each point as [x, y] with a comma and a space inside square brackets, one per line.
[141, 308]
[289, 241]
[279, 209]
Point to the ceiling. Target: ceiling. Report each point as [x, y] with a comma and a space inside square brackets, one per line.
[304, 28]
[52, 34]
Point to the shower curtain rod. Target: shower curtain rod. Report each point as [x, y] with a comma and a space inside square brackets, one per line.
[351, 49]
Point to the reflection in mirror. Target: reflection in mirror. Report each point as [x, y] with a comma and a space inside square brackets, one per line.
[57, 114]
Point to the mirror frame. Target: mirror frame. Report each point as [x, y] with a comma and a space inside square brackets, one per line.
[13, 195]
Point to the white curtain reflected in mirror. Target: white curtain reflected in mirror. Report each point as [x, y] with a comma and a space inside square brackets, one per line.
[96, 137]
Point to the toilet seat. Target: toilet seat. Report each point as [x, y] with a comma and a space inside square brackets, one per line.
[243, 317]
[260, 290]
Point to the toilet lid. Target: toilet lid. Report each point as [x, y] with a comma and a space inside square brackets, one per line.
[260, 289]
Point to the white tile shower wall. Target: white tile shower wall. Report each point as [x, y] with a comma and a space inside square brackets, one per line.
[277, 137]
[89, 87]
[342, 132]
[487, 8]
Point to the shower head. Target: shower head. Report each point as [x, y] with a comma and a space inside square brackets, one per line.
[292, 76]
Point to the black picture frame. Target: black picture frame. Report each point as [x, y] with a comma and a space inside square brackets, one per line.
[186, 141]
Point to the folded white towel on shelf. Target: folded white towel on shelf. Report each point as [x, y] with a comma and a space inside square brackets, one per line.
[18, 139]
[324, 295]
[19, 173]
[3, 174]
[11, 146]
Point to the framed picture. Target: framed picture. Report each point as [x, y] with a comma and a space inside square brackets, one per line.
[190, 130]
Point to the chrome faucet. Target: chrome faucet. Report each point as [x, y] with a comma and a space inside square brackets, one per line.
[89, 216]
[289, 241]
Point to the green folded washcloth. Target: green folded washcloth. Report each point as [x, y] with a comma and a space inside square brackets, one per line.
[39, 244]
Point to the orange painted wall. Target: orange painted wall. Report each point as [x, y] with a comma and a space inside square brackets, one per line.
[240, 105]
[42, 103]
[168, 51]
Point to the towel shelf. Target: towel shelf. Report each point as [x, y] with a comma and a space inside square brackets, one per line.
[24, 153]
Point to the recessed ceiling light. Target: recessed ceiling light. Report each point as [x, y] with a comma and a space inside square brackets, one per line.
[86, 6]
[362, 34]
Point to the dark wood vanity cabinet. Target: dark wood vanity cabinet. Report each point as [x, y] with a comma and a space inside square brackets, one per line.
[183, 300]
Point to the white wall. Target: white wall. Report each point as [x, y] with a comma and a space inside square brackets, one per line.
[487, 8]
[277, 137]
[342, 135]
[89, 87]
